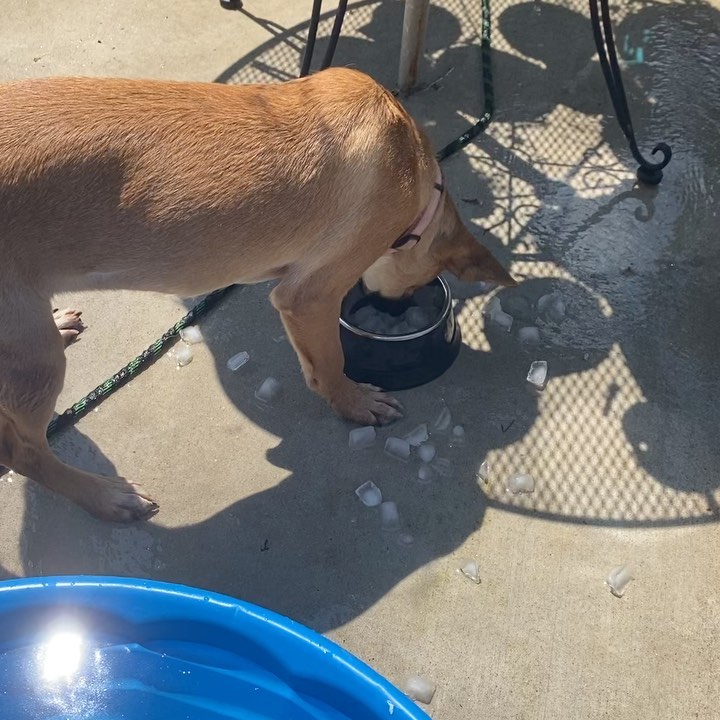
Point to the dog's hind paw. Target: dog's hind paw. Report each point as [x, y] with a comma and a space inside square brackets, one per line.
[119, 500]
[69, 324]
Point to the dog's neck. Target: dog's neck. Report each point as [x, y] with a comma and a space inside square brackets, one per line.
[421, 224]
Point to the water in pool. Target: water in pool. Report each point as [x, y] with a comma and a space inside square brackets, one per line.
[68, 675]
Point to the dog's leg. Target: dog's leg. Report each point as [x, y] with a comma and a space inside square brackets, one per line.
[310, 316]
[69, 324]
[32, 366]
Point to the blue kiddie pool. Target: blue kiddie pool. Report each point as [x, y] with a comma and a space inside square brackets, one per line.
[97, 648]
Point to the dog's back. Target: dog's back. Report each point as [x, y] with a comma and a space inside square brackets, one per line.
[102, 177]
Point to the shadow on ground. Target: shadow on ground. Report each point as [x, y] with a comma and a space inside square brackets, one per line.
[636, 349]
[630, 256]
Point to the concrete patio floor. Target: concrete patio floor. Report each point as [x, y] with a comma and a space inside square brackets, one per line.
[258, 502]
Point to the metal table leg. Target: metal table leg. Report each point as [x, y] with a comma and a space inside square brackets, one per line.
[413, 41]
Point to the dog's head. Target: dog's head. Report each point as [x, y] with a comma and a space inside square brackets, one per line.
[446, 244]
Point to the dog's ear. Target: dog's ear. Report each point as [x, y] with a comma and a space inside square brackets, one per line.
[475, 262]
[459, 252]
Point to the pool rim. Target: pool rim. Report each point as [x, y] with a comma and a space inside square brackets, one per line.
[59, 589]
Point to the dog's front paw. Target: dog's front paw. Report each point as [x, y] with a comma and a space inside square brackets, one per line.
[367, 405]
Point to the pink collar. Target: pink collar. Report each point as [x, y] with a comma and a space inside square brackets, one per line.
[415, 231]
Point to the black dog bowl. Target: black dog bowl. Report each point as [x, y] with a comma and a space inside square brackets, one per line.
[398, 362]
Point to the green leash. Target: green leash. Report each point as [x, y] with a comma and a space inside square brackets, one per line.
[134, 367]
[150, 355]
[489, 94]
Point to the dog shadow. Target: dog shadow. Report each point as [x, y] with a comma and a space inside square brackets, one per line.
[536, 78]
[306, 547]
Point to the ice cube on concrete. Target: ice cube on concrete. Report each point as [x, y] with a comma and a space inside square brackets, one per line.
[545, 302]
[457, 436]
[495, 313]
[237, 361]
[484, 471]
[529, 335]
[191, 335]
[518, 306]
[398, 448]
[469, 568]
[420, 689]
[362, 437]
[537, 375]
[418, 435]
[369, 494]
[492, 306]
[503, 320]
[551, 307]
[618, 580]
[268, 391]
[183, 355]
[425, 474]
[520, 484]
[442, 467]
[405, 539]
[389, 516]
[426, 452]
[443, 421]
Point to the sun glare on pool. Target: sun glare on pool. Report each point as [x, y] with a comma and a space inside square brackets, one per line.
[60, 656]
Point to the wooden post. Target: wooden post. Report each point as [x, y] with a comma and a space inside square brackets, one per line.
[413, 41]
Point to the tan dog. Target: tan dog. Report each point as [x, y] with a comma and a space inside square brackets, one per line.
[185, 188]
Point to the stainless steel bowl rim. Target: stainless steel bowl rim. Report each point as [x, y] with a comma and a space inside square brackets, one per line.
[442, 317]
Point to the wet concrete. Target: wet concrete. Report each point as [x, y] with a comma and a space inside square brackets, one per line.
[258, 502]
